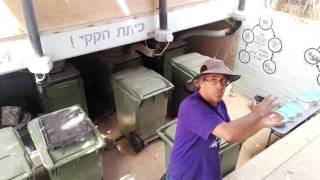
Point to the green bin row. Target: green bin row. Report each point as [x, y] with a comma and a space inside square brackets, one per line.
[138, 91]
[77, 161]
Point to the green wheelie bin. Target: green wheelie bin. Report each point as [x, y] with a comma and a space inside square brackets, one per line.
[141, 97]
[228, 152]
[183, 68]
[15, 163]
[69, 145]
[174, 50]
[62, 89]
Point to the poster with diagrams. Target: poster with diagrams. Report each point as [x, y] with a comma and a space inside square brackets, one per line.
[261, 44]
[312, 57]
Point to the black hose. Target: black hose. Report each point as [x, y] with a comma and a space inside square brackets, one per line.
[32, 27]
[163, 14]
[241, 5]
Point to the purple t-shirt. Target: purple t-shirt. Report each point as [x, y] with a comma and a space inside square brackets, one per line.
[195, 153]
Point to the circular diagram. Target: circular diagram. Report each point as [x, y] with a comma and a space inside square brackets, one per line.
[244, 56]
[269, 66]
[275, 45]
[312, 56]
[265, 22]
[264, 44]
[248, 36]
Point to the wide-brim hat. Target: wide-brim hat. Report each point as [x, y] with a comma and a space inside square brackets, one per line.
[212, 66]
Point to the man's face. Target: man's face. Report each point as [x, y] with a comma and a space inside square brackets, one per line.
[214, 86]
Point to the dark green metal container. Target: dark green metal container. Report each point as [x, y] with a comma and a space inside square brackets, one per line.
[183, 68]
[62, 89]
[141, 97]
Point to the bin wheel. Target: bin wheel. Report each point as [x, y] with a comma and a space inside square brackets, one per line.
[136, 142]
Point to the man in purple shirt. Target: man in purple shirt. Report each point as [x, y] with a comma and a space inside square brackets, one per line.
[203, 119]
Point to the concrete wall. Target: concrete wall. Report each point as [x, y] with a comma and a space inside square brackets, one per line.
[274, 54]
[224, 48]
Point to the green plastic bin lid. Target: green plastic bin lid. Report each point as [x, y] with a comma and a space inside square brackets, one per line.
[52, 158]
[190, 62]
[223, 144]
[67, 73]
[168, 133]
[141, 82]
[13, 156]
[65, 127]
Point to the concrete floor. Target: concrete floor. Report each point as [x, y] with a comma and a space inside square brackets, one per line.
[122, 163]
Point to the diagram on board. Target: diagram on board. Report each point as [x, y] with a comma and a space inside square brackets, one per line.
[312, 57]
[260, 40]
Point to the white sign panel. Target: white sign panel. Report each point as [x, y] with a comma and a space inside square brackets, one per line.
[71, 43]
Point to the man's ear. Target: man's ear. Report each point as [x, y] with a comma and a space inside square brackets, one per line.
[189, 86]
[201, 83]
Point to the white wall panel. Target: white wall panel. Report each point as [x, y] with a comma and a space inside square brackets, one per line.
[292, 73]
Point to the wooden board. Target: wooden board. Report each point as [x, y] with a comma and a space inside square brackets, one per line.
[286, 156]
[303, 165]
[58, 14]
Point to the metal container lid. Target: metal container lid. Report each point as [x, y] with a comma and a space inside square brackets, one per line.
[190, 63]
[168, 134]
[65, 127]
[67, 73]
[141, 83]
[87, 142]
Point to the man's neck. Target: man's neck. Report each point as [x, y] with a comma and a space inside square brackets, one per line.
[207, 98]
